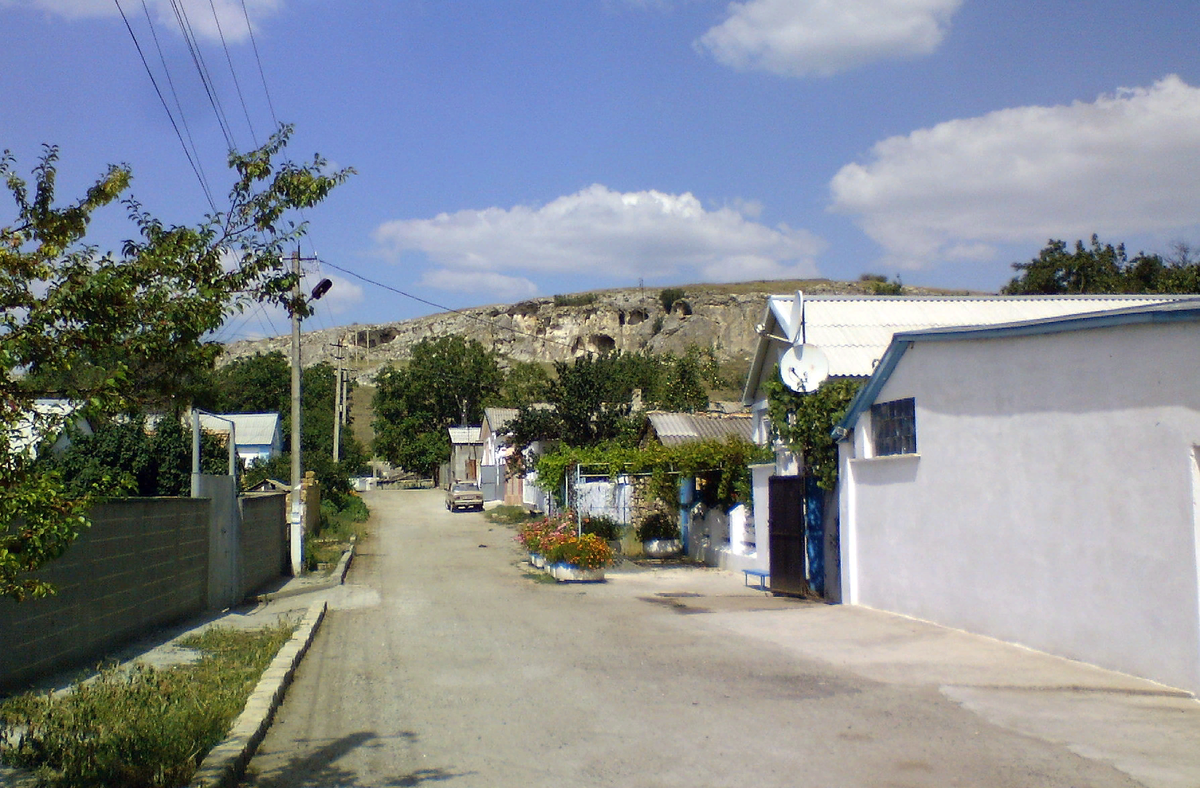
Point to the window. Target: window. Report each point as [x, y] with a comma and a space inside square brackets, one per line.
[894, 427]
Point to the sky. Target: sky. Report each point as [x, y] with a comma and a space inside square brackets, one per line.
[505, 150]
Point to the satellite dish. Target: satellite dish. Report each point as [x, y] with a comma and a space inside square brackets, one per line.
[803, 368]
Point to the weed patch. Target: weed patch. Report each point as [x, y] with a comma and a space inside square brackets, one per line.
[139, 727]
[509, 515]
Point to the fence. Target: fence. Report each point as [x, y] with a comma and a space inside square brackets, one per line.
[145, 562]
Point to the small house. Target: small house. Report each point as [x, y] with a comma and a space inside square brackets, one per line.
[1037, 482]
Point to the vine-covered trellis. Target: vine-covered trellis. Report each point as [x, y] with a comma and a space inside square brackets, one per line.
[727, 461]
[805, 422]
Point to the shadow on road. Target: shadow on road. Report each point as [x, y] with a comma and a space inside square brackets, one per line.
[319, 768]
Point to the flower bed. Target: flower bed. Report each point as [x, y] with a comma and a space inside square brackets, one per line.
[554, 542]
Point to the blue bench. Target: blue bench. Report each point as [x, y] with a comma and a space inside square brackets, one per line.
[760, 574]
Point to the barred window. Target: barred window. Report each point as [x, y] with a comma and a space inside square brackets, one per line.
[894, 427]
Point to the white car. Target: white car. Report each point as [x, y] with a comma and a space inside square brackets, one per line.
[464, 495]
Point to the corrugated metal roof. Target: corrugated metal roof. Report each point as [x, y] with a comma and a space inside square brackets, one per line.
[854, 331]
[673, 429]
[1184, 309]
[461, 435]
[250, 429]
[498, 417]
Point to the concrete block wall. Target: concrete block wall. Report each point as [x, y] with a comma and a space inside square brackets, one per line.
[143, 563]
[263, 539]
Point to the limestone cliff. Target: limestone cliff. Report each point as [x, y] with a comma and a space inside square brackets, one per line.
[721, 317]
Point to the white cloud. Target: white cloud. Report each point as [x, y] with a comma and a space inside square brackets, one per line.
[497, 287]
[822, 37]
[199, 13]
[1125, 163]
[603, 235]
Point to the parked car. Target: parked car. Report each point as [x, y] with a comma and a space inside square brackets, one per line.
[464, 495]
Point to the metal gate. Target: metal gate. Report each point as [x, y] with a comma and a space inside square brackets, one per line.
[786, 520]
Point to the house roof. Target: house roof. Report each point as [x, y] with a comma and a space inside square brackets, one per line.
[496, 418]
[1184, 310]
[461, 435]
[674, 429]
[250, 429]
[854, 331]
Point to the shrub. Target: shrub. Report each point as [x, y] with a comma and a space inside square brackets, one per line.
[669, 296]
[658, 525]
[602, 526]
[579, 299]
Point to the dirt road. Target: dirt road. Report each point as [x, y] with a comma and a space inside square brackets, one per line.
[442, 662]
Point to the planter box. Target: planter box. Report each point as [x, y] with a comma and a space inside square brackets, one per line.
[565, 573]
[537, 561]
[662, 548]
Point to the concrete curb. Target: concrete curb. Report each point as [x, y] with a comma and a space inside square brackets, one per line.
[335, 579]
[225, 764]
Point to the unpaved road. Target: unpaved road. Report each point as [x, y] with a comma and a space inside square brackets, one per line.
[441, 662]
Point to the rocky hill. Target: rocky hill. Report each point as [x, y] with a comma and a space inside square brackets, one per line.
[721, 317]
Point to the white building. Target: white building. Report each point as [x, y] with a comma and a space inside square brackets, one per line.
[1037, 482]
[852, 332]
[257, 436]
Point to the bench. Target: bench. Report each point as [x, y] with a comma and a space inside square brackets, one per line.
[760, 574]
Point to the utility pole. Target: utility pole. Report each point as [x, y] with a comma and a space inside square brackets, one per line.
[297, 513]
[339, 404]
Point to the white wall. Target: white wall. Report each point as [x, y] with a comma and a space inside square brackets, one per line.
[1051, 502]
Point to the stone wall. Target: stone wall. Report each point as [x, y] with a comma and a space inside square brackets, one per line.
[263, 539]
[143, 563]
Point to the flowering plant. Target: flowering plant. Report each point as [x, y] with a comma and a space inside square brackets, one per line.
[539, 536]
[585, 552]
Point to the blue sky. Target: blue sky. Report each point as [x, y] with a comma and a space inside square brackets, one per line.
[512, 149]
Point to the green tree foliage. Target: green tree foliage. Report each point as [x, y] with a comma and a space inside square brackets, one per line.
[1104, 268]
[112, 331]
[668, 296]
[591, 396]
[119, 458]
[448, 382]
[805, 422]
[525, 382]
[261, 383]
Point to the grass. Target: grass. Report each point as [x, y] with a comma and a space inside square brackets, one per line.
[337, 526]
[509, 515]
[139, 727]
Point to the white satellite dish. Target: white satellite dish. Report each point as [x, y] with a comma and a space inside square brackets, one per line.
[803, 368]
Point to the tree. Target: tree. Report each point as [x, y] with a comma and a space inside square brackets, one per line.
[111, 331]
[525, 382]
[261, 383]
[1104, 268]
[448, 381]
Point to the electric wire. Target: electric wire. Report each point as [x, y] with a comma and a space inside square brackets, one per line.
[461, 312]
[261, 73]
[145, 64]
[189, 36]
[233, 73]
[178, 105]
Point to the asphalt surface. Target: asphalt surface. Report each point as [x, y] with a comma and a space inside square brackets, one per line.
[444, 660]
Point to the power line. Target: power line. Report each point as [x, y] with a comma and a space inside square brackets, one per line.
[229, 59]
[262, 74]
[189, 36]
[145, 64]
[461, 312]
[178, 105]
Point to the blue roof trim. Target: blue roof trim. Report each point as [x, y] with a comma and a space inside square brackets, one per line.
[1175, 312]
[866, 395]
